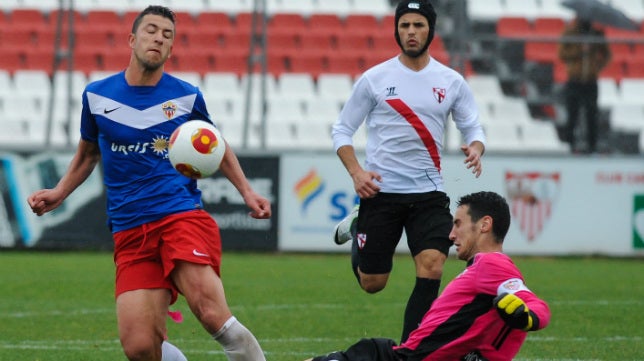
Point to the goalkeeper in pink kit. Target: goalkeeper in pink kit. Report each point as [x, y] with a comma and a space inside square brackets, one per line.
[485, 313]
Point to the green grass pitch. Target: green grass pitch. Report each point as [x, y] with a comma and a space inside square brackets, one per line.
[60, 307]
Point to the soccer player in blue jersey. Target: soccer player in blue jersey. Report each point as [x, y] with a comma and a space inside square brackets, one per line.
[164, 241]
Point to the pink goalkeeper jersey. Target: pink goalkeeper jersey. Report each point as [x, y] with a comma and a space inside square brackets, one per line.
[463, 318]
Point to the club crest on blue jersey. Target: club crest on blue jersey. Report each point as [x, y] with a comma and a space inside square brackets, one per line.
[169, 108]
[439, 94]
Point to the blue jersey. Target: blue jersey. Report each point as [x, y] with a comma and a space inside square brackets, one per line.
[132, 126]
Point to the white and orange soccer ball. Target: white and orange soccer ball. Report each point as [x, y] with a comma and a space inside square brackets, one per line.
[196, 149]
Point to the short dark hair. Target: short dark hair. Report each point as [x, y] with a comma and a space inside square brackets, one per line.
[489, 204]
[154, 10]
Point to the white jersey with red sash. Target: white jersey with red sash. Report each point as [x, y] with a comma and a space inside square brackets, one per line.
[405, 113]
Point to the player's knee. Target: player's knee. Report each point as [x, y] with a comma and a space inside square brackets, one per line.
[373, 284]
[429, 264]
[136, 349]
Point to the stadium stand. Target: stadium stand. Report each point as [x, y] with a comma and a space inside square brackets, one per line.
[314, 51]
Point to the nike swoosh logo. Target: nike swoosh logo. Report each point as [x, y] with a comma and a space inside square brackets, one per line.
[106, 111]
[199, 254]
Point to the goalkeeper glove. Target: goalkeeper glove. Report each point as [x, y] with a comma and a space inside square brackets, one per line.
[515, 312]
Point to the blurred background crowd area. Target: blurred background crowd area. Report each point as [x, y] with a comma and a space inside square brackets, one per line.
[275, 73]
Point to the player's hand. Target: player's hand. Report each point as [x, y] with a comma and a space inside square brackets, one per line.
[515, 312]
[44, 200]
[364, 185]
[260, 206]
[473, 154]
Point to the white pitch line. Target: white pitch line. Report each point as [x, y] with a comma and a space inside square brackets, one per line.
[81, 312]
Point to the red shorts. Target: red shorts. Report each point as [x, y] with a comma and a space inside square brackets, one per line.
[146, 255]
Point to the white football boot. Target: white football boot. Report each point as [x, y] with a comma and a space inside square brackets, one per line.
[344, 231]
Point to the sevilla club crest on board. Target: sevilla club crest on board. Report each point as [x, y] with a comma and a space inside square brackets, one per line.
[532, 196]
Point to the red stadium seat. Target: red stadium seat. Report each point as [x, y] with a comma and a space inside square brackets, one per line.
[323, 39]
[78, 19]
[311, 62]
[93, 38]
[184, 20]
[237, 40]
[116, 60]
[231, 62]
[102, 19]
[128, 19]
[621, 34]
[387, 42]
[354, 41]
[320, 21]
[276, 63]
[438, 44]
[559, 73]
[615, 69]
[387, 23]
[197, 60]
[283, 40]
[635, 68]
[210, 38]
[12, 59]
[638, 50]
[19, 36]
[513, 27]
[361, 23]
[214, 20]
[88, 60]
[442, 56]
[40, 59]
[549, 26]
[541, 51]
[373, 57]
[352, 63]
[621, 51]
[244, 21]
[290, 21]
[22, 16]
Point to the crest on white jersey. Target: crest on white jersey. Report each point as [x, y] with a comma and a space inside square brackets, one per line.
[439, 94]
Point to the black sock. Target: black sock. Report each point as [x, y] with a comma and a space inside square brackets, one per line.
[355, 258]
[421, 299]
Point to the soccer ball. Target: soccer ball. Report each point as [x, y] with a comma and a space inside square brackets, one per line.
[196, 149]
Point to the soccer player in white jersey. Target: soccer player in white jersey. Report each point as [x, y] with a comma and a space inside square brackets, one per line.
[165, 243]
[405, 103]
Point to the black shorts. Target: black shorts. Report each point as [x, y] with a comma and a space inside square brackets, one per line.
[367, 349]
[425, 218]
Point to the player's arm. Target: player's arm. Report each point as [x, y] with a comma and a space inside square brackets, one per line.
[232, 170]
[521, 309]
[83, 163]
[362, 179]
